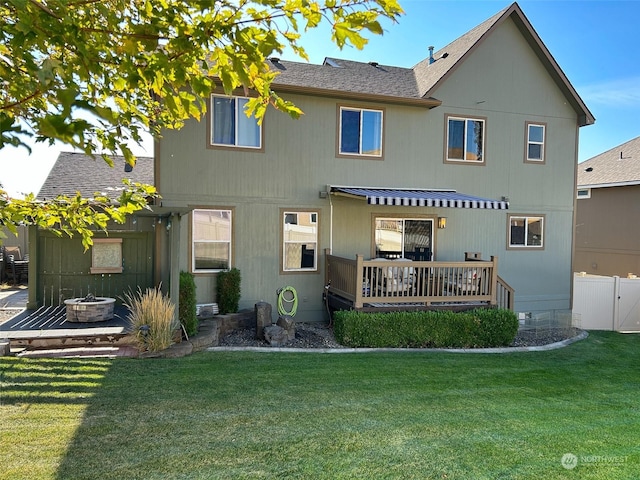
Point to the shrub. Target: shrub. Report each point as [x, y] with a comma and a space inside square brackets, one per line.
[151, 315]
[439, 329]
[228, 291]
[187, 303]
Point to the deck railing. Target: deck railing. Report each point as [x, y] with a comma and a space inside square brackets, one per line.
[402, 281]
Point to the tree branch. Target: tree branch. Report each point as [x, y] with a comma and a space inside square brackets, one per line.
[44, 8]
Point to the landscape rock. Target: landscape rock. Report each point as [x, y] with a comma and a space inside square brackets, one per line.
[289, 325]
[263, 318]
[275, 335]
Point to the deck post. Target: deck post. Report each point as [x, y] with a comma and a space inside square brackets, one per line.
[494, 280]
[358, 281]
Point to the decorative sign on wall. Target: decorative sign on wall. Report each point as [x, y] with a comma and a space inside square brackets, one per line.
[106, 255]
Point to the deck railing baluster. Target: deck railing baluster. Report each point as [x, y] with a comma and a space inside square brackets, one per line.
[367, 283]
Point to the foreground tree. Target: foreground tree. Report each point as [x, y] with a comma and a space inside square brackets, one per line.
[97, 74]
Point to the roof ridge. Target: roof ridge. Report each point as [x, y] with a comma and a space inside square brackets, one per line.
[429, 74]
[617, 147]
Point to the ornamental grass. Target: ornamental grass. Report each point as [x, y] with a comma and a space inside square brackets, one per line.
[151, 314]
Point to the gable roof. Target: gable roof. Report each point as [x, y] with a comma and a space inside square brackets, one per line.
[77, 172]
[416, 85]
[619, 166]
[430, 75]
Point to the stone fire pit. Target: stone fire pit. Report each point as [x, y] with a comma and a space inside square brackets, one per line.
[89, 309]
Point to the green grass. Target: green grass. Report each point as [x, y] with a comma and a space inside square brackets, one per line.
[274, 415]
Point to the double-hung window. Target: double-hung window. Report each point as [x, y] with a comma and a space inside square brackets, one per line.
[211, 240]
[360, 132]
[299, 241]
[535, 142]
[465, 140]
[230, 126]
[526, 231]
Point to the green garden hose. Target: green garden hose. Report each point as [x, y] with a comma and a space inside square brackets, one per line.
[282, 300]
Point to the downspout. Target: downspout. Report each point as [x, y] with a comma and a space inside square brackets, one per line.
[330, 222]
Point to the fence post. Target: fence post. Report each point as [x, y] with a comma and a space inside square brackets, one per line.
[615, 326]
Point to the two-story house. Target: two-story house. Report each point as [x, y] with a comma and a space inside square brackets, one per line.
[607, 212]
[480, 137]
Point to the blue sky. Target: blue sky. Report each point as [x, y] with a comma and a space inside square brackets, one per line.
[595, 42]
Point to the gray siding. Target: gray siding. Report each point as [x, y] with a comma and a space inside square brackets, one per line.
[502, 80]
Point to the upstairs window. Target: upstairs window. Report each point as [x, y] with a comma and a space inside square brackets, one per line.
[230, 126]
[300, 241]
[360, 132]
[465, 140]
[535, 143]
[526, 231]
[211, 240]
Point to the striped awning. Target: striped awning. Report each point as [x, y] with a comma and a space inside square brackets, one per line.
[419, 198]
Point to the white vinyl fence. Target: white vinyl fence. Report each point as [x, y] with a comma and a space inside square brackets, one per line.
[607, 303]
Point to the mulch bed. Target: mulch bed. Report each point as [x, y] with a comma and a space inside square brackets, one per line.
[317, 336]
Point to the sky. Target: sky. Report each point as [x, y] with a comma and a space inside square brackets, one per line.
[595, 42]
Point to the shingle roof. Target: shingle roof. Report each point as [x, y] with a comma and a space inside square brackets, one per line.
[418, 84]
[428, 75]
[348, 76]
[615, 167]
[77, 172]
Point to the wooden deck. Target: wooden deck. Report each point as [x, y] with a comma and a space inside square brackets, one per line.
[47, 327]
[401, 284]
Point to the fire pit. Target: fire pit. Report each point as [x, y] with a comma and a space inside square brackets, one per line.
[89, 309]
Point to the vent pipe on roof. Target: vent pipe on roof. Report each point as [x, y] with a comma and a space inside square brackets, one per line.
[373, 64]
[431, 59]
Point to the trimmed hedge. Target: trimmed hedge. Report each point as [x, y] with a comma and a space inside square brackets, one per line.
[187, 303]
[228, 291]
[477, 328]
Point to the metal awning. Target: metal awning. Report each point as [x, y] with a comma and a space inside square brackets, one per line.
[419, 198]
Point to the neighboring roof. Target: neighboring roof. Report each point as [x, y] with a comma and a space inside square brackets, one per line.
[419, 197]
[77, 172]
[619, 166]
[416, 85]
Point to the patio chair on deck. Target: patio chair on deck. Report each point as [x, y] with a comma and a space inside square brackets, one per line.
[395, 279]
[467, 283]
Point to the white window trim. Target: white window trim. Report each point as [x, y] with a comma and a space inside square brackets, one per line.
[464, 153]
[586, 195]
[526, 218]
[360, 154]
[237, 112]
[283, 216]
[193, 241]
[528, 142]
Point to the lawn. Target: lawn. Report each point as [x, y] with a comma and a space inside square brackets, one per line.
[375, 415]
